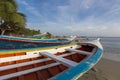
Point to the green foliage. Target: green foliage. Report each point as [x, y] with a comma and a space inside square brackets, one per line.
[29, 32]
[10, 18]
[11, 21]
[7, 8]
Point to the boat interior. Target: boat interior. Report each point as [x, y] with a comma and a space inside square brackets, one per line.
[42, 65]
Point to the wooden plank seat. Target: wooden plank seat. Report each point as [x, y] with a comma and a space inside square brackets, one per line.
[2, 68]
[79, 51]
[22, 64]
[24, 72]
[16, 74]
[15, 58]
[60, 59]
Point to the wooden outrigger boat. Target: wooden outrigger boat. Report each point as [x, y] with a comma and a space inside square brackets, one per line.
[8, 42]
[58, 63]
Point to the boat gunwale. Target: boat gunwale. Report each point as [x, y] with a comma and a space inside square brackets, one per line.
[34, 42]
[89, 62]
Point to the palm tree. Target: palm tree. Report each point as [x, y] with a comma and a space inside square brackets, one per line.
[10, 19]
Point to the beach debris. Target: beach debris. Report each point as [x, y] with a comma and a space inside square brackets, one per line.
[94, 69]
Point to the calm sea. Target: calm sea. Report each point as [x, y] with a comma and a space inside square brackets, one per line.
[111, 46]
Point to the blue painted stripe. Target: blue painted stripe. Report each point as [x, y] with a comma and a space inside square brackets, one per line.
[75, 72]
[34, 49]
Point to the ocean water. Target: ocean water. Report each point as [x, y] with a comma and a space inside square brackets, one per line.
[111, 46]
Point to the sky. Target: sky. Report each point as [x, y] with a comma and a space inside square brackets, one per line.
[73, 17]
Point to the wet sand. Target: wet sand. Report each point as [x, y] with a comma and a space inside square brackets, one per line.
[104, 70]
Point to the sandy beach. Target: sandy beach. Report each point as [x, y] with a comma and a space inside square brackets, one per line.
[105, 69]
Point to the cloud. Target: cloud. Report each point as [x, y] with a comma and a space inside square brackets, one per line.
[30, 8]
[24, 3]
[87, 17]
[33, 11]
[87, 3]
[89, 29]
[92, 17]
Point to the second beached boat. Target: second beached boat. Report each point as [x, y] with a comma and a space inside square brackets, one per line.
[8, 42]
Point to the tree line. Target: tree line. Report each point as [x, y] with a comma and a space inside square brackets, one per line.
[13, 22]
